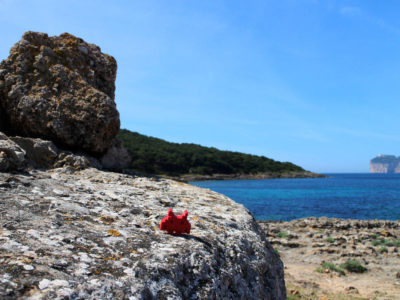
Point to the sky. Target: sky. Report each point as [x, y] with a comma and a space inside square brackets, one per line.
[312, 82]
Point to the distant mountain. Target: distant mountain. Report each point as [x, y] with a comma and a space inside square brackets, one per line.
[155, 156]
[385, 164]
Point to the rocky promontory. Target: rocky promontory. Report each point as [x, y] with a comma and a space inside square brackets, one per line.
[70, 230]
[385, 164]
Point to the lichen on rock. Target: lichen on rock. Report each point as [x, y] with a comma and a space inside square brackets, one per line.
[60, 89]
[69, 231]
[95, 235]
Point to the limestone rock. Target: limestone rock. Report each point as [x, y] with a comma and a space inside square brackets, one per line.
[12, 157]
[18, 153]
[39, 153]
[385, 164]
[116, 157]
[95, 235]
[60, 89]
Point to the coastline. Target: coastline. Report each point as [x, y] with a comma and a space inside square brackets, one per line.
[189, 177]
[315, 250]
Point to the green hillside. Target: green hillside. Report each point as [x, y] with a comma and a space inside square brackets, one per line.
[156, 156]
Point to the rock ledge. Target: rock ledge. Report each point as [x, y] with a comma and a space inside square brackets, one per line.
[91, 234]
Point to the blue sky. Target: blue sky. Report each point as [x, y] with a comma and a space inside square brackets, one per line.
[312, 82]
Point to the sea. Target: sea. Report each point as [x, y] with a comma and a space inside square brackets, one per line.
[346, 196]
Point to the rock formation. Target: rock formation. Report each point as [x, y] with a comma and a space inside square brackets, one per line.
[305, 245]
[69, 231]
[385, 164]
[12, 157]
[18, 153]
[60, 89]
[117, 157]
[90, 234]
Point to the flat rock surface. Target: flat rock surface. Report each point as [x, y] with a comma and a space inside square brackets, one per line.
[307, 243]
[90, 234]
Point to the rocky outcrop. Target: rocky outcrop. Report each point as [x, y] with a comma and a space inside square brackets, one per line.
[19, 153]
[60, 89]
[117, 157]
[12, 157]
[306, 245]
[75, 232]
[385, 164]
[95, 235]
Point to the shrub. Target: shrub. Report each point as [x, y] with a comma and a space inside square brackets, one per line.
[282, 234]
[374, 236]
[375, 242]
[383, 249]
[330, 240]
[354, 266]
[277, 252]
[385, 242]
[331, 267]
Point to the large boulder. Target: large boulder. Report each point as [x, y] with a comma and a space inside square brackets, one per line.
[12, 156]
[45, 155]
[61, 89]
[95, 235]
[24, 154]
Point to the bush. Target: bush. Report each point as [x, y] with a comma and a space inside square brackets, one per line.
[354, 266]
[375, 242]
[331, 267]
[383, 249]
[282, 235]
[385, 242]
[330, 240]
[374, 236]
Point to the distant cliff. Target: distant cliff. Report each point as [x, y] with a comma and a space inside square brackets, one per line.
[385, 164]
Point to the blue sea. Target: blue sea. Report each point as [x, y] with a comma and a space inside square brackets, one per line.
[347, 196]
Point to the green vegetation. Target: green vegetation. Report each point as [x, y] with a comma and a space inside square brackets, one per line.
[331, 267]
[386, 242]
[293, 297]
[282, 235]
[277, 252]
[354, 266]
[374, 235]
[383, 249]
[330, 240]
[155, 156]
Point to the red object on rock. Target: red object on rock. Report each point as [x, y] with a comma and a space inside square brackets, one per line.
[177, 224]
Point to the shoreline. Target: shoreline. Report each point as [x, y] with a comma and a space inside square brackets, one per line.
[315, 251]
[317, 219]
[288, 175]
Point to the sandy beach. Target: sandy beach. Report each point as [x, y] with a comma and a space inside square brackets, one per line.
[315, 251]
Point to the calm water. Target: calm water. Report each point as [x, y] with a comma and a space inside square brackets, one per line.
[348, 196]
